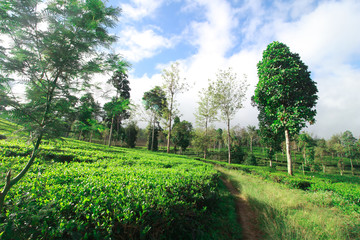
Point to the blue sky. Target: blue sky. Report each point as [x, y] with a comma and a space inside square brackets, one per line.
[207, 35]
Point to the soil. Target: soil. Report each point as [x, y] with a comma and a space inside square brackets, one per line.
[246, 217]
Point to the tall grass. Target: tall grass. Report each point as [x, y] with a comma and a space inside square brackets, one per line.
[294, 214]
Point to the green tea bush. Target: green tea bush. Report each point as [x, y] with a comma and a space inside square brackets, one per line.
[85, 191]
[250, 160]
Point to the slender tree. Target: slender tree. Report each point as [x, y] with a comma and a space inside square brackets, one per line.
[87, 112]
[251, 130]
[229, 95]
[206, 112]
[155, 101]
[349, 143]
[53, 45]
[173, 85]
[285, 92]
[114, 108]
[131, 132]
[117, 110]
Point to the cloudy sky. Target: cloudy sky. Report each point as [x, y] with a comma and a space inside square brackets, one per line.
[207, 35]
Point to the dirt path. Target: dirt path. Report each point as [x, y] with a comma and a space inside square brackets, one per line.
[245, 215]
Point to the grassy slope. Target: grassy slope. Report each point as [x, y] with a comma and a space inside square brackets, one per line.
[81, 190]
[295, 214]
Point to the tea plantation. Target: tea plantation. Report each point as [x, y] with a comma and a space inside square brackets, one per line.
[78, 190]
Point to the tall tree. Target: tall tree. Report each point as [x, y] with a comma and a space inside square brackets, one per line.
[87, 113]
[53, 44]
[173, 85]
[114, 108]
[252, 132]
[131, 132]
[182, 134]
[349, 143]
[117, 109]
[206, 112]
[229, 95]
[155, 101]
[286, 92]
[219, 137]
[321, 151]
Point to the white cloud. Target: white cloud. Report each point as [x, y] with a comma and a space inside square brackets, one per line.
[137, 45]
[327, 35]
[139, 9]
[327, 41]
[323, 33]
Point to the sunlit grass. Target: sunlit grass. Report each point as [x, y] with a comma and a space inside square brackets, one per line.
[295, 214]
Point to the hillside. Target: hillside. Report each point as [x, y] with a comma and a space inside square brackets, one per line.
[81, 190]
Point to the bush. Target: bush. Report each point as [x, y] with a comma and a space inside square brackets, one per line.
[131, 132]
[237, 154]
[251, 160]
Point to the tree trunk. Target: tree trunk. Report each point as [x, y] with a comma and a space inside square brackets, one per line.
[153, 134]
[352, 167]
[229, 141]
[170, 116]
[91, 135]
[11, 182]
[111, 130]
[251, 148]
[288, 153]
[303, 169]
[205, 149]
[169, 135]
[294, 162]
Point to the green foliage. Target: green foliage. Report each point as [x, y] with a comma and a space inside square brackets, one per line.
[228, 95]
[155, 100]
[284, 213]
[251, 160]
[153, 133]
[53, 62]
[81, 190]
[237, 154]
[173, 85]
[348, 141]
[200, 140]
[116, 106]
[181, 134]
[51, 70]
[285, 94]
[131, 132]
[285, 90]
[207, 111]
[346, 189]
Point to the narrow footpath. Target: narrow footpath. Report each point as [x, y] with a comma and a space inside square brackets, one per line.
[246, 217]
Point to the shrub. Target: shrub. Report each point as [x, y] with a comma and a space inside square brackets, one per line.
[237, 154]
[251, 160]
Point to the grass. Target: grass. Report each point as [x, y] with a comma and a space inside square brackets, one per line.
[292, 213]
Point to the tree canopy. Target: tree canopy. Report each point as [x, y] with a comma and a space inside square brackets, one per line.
[54, 48]
[173, 85]
[229, 95]
[285, 93]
